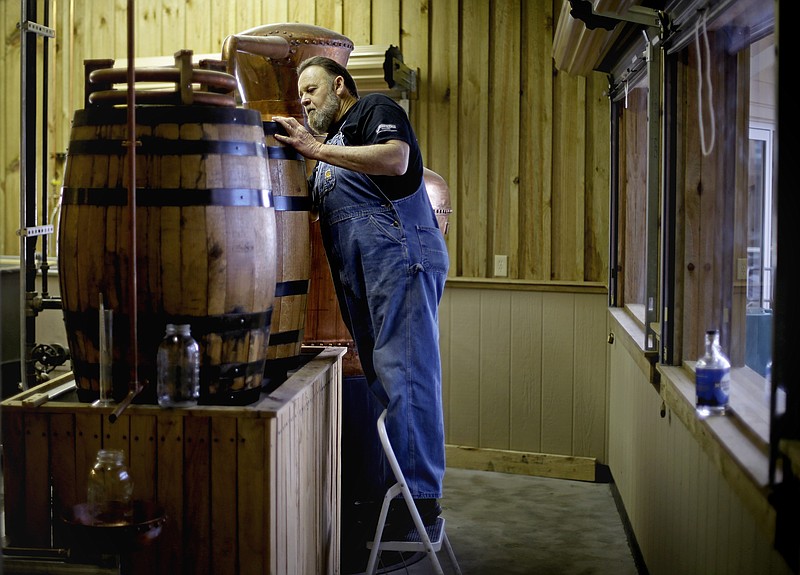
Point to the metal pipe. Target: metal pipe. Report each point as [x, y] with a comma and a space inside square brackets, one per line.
[134, 387]
[45, 187]
[27, 202]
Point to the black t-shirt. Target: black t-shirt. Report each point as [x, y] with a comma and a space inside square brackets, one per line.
[376, 118]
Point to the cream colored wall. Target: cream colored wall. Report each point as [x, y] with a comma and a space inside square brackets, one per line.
[525, 370]
[686, 515]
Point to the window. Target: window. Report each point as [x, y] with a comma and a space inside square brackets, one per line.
[696, 146]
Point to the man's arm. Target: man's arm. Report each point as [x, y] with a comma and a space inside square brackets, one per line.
[385, 159]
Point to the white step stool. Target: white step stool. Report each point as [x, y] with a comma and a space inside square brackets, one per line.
[421, 539]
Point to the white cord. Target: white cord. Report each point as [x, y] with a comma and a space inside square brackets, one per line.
[702, 21]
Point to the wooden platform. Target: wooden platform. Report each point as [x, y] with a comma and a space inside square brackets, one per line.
[252, 489]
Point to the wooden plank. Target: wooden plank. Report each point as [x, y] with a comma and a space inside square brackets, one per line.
[355, 21]
[415, 48]
[598, 152]
[271, 492]
[117, 435]
[589, 399]
[521, 462]
[303, 11]
[15, 480]
[197, 492]
[37, 492]
[464, 401]
[495, 360]
[147, 29]
[632, 189]
[386, 23]
[557, 363]
[176, 29]
[194, 261]
[250, 481]
[525, 418]
[224, 522]
[330, 15]
[248, 14]
[101, 23]
[440, 147]
[88, 441]
[473, 142]
[504, 110]
[169, 489]
[275, 12]
[569, 130]
[223, 23]
[535, 164]
[142, 460]
[64, 472]
[197, 25]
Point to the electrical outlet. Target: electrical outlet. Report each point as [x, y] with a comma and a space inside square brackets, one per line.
[741, 269]
[500, 266]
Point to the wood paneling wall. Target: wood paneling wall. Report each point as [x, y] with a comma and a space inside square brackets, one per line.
[687, 517]
[525, 152]
[524, 149]
[525, 370]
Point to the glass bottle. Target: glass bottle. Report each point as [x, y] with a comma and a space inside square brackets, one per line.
[712, 378]
[178, 365]
[110, 488]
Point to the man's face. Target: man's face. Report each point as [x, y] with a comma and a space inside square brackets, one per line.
[318, 98]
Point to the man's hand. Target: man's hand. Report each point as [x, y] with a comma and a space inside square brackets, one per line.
[298, 137]
[384, 159]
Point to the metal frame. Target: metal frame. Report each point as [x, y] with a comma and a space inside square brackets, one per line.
[30, 302]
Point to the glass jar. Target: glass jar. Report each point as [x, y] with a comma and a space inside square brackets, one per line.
[110, 488]
[178, 365]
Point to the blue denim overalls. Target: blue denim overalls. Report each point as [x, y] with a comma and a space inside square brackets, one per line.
[389, 263]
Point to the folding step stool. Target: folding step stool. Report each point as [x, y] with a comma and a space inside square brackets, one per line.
[421, 539]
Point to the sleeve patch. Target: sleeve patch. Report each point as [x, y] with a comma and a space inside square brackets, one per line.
[386, 128]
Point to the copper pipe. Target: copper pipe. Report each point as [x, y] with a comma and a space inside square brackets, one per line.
[268, 46]
[134, 387]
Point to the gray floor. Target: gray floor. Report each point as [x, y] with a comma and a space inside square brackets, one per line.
[503, 524]
[500, 523]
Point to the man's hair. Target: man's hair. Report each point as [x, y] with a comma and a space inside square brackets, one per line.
[332, 68]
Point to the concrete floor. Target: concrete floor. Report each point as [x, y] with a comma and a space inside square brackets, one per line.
[497, 523]
[521, 525]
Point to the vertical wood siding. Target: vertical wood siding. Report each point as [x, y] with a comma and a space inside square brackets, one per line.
[524, 149]
[525, 370]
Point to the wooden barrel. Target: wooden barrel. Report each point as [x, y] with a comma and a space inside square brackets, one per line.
[324, 324]
[269, 85]
[292, 203]
[205, 244]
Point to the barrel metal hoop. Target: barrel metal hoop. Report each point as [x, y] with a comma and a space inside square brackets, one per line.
[157, 197]
[168, 147]
[223, 324]
[291, 203]
[295, 287]
[284, 337]
[159, 115]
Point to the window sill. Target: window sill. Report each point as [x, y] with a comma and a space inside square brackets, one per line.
[627, 327]
[738, 442]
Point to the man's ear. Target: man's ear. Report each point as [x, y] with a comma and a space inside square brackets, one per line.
[338, 85]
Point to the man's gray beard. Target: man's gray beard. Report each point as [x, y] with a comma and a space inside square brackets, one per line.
[323, 117]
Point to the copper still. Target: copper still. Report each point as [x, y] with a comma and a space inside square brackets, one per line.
[264, 61]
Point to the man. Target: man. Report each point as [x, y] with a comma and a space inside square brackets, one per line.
[388, 261]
